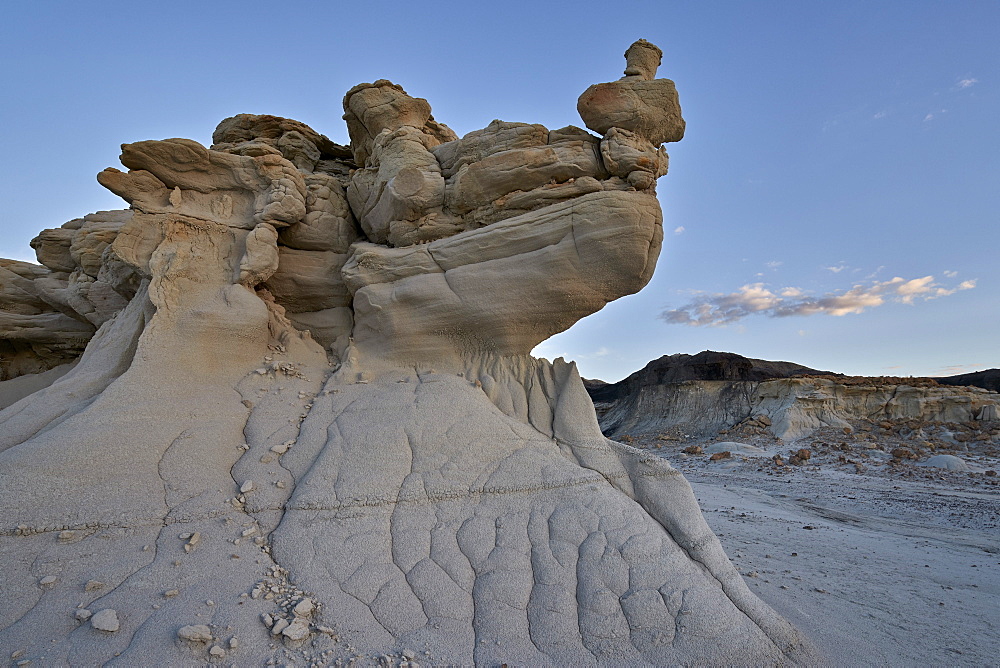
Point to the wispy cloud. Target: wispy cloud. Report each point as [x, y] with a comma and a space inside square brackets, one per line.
[773, 264]
[967, 83]
[837, 269]
[597, 354]
[755, 298]
[956, 369]
[950, 274]
[874, 274]
[679, 229]
[933, 115]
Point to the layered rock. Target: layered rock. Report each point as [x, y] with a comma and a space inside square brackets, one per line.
[49, 312]
[713, 392]
[315, 432]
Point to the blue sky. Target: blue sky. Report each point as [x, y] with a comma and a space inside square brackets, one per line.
[837, 154]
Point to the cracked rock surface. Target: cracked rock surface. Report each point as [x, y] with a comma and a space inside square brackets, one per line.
[283, 409]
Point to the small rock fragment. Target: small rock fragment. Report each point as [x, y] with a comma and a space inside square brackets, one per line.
[279, 626]
[281, 448]
[246, 486]
[195, 633]
[93, 585]
[66, 536]
[48, 581]
[83, 614]
[217, 652]
[105, 620]
[303, 608]
[297, 630]
[170, 593]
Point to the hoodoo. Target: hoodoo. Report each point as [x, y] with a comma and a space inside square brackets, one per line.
[283, 408]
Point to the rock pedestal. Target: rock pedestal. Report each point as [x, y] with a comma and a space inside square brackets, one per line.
[305, 426]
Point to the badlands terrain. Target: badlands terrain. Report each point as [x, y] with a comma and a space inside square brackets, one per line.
[876, 534]
[282, 410]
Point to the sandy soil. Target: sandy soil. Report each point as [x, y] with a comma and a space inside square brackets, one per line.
[888, 563]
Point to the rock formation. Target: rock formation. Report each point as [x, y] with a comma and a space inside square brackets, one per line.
[302, 423]
[988, 379]
[711, 392]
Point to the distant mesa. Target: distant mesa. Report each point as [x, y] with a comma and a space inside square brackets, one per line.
[988, 379]
[712, 392]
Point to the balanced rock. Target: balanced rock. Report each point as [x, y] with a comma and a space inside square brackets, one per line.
[638, 102]
[376, 307]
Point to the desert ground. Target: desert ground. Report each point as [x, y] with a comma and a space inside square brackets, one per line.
[879, 561]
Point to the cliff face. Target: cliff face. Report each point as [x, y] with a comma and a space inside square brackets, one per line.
[305, 426]
[663, 397]
[706, 365]
[988, 379]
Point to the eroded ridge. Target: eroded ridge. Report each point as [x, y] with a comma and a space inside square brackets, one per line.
[283, 408]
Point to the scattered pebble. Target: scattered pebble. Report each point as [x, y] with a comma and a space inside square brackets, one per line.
[246, 487]
[303, 608]
[297, 630]
[195, 633]
[193, 541]
[217, 652]
[48, 581]
[82, 614]
[105, 620]
[93, 585]
[281, 448]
